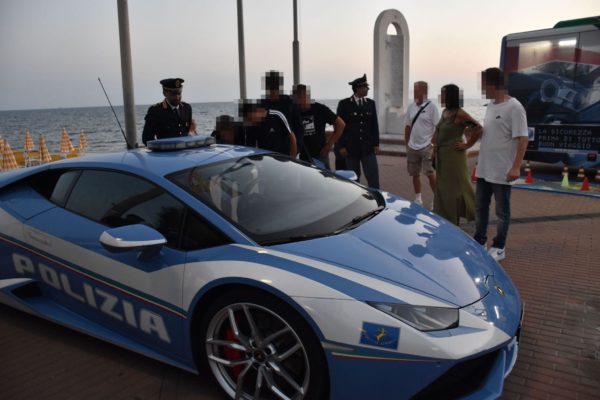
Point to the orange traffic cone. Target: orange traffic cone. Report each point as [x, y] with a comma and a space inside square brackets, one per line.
[580, 173]
[529, 178]
[527, 166]
[585, 186]
[597, 177]
[473, 174]
[565, 182]
[565, 171]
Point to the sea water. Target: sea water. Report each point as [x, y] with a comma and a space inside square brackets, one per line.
[102, 130]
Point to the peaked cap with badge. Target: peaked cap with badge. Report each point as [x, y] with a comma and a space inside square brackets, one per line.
[359, 82]
[172, 83]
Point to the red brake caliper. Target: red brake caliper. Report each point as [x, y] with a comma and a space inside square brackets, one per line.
[232, 354]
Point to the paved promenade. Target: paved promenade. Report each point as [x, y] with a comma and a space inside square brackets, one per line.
[553, 256]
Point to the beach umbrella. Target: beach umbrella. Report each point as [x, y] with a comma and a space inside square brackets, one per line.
[44, 153]
[66, 146]
[9, 162]
[29, 146]
[83, 145]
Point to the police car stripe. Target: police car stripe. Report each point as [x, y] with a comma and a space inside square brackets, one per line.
[354, 356]
[283, 118]
[375, 285]
[143, 297]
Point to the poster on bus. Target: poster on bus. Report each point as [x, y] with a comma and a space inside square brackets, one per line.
[555, 74]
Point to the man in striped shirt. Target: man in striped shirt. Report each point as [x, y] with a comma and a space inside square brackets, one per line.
[267, 129]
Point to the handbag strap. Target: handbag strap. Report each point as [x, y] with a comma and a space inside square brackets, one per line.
[419, 113]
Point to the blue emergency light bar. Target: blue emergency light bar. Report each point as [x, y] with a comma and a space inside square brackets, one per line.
[180, 143]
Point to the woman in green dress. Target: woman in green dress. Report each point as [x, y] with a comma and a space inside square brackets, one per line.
[454, 196]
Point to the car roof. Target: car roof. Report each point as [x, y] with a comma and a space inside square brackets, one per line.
[141, 161]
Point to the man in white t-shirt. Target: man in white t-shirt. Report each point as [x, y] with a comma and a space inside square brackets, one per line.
[419, 125]
[501, 152]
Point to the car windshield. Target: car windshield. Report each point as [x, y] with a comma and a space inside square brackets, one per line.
[275, 199]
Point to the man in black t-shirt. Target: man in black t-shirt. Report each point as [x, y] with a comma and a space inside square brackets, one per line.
[314, 118]
[275, 99]
[267, 129]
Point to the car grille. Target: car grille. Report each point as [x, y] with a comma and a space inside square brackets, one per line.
[461, 380]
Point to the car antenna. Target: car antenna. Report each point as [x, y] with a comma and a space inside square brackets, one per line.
[115, 114]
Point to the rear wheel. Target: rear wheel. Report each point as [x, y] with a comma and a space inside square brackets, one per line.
[257, 347]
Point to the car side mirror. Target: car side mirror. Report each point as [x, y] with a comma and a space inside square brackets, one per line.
[347, 174]
[133, 238]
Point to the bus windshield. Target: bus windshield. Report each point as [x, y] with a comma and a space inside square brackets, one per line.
[555, 74]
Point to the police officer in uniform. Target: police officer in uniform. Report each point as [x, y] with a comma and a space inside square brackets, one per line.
[359, 143]
[170, 118]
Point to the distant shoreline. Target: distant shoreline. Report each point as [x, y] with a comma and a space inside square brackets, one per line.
[202, 102]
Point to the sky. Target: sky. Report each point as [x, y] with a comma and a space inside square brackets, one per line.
[52, 52]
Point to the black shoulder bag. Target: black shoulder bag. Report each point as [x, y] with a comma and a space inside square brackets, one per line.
[417, 116]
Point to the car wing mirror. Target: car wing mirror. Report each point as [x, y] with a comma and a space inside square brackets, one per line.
[347, 174]
[133, 238]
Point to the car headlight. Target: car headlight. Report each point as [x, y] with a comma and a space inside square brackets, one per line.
[423, 318]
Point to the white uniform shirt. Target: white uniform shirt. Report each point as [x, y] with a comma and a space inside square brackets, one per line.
[504, 123]
[422, 132]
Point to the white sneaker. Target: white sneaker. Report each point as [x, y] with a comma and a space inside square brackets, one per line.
[418, 201]
[497, 254]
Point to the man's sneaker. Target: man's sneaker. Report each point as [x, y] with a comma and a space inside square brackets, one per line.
[418, 201]
[497, 254]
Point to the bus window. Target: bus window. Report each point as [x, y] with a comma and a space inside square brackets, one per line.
[588, 77]
[541, 76]
[555, 74]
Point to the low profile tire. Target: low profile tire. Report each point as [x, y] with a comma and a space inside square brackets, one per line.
[258, 347]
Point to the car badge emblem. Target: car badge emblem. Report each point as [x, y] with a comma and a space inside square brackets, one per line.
[500, 290]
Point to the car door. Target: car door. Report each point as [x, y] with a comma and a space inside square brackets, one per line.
[135, 298]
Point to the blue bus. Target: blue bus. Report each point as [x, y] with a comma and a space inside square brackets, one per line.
[555, 74]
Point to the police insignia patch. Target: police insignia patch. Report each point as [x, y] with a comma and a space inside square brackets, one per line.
[379, 335]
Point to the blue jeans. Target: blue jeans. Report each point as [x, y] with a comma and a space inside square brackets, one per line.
[369, 164]
[483, 196]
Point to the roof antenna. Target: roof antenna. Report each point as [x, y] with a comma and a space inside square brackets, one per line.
[115, 114]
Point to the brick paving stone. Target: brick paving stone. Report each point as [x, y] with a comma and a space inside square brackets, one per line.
[552, 256]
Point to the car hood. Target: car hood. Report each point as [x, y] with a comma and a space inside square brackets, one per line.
[411, 247]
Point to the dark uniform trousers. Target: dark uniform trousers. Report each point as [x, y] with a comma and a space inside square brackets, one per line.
[360, 137]
[163, 122]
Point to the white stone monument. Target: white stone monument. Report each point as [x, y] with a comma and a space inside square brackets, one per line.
[390, 81]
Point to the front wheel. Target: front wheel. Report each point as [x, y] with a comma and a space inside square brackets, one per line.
[257, 347]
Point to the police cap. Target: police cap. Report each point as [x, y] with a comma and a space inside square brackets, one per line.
[172, 83]
[359, 81]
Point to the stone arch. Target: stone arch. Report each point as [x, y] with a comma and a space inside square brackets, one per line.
[391, 66]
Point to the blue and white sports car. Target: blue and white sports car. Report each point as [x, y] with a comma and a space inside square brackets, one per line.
[279, 279]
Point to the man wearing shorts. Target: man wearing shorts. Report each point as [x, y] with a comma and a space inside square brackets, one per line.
[421, 118]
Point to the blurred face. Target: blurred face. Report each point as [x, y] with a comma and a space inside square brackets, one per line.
[443, 98]
[302, 99]
[173, 96]
[256, 116]
[488, 90]
[362, 91]
[273, 94]
[420, 93]
[227, 136]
